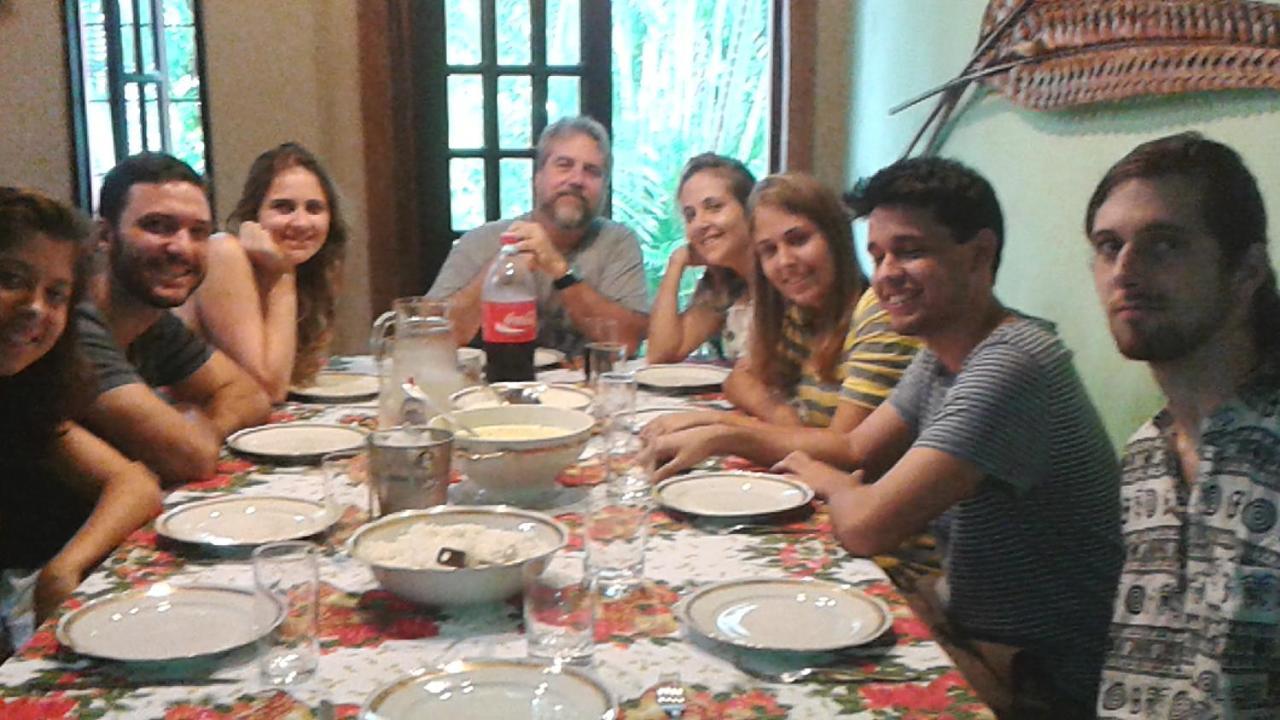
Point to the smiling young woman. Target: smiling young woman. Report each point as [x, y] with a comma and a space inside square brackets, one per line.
[712, 196]
[822, 354]
[66, 498]
[269, 298]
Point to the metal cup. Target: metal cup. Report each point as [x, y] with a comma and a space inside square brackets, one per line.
[408, 468]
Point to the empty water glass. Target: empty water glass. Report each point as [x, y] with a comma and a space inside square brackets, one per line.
[616, 527]
[287, 574]
[559, 608]
[605, 352]
[615, 399]
[624, 471]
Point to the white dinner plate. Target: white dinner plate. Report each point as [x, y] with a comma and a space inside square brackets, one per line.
[169, 622]
[794, 615]
[561, 395]
[497, 689]
[547, 357]
[644, 416]
[298, 443]
[337, 387]
[727, 494]
[682, 376]
[244, 520]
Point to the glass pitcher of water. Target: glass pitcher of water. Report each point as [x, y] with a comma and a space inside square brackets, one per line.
[414, 340]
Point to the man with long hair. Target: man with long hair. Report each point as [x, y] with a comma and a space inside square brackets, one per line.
[1178, 231]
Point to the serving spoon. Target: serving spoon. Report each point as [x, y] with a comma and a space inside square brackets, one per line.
[412, 390]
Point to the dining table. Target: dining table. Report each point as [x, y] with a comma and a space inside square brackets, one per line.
[369, 637]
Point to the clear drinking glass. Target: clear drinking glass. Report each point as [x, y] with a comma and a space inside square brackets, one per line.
[616, 527]
[559, 608]
[288, 573]
[615, 399]
[605, 352]
[623, 451]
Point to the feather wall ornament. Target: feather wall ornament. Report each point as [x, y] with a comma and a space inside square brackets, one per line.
[1052, 54]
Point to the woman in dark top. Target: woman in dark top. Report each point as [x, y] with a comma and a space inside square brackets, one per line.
[66, 497]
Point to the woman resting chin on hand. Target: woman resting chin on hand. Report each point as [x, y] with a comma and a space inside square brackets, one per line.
[269, 297]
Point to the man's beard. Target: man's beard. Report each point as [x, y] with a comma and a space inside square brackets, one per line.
[1167, 341]
[569, 216]
[128, 271]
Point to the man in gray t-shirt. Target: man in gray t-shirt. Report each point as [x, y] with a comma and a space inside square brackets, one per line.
[991, 427]
[155, 221]
[586, 267]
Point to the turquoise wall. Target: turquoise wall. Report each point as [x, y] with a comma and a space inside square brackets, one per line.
[1044, 165]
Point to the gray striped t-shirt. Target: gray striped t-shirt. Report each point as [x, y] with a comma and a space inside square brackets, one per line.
[1032, 560]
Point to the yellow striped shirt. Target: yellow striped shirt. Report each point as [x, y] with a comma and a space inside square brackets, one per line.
[873, 360]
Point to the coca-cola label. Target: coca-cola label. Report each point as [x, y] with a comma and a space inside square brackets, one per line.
[515, 322]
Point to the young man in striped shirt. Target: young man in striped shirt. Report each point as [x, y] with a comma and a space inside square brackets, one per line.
[990, 427]
[1178, 230]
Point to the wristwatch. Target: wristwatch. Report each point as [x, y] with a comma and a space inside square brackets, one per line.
[566, 281]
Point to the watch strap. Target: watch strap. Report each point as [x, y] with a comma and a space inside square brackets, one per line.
[567, 280]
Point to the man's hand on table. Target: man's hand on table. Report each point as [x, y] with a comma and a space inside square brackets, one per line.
[823, 478]
[681, 450]
[675, 422]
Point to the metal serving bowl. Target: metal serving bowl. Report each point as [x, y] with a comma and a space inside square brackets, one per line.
[457, 586]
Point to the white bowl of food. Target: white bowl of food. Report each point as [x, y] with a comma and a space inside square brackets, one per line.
[520, 449]
[562, 395]
[404, 551]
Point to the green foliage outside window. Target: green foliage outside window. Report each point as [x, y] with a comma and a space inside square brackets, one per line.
[688, 77]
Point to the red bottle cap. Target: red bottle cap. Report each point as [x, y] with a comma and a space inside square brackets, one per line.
[510, 238]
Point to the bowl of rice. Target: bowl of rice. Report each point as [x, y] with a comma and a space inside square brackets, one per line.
[520, 449]
[448, 555]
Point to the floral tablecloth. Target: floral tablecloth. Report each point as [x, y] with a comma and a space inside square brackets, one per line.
[369, 637]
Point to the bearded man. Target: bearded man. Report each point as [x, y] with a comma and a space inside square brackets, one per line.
[1179, 237]
[586, 267]
[154, 226]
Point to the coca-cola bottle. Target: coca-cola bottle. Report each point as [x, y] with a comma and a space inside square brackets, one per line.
[509, 303]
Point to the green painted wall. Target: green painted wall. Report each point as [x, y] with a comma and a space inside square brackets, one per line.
[1043, 165]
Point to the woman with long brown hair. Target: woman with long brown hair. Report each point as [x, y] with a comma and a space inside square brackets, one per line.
[66, 497]
[269, 298]
[712, 195]
[822, 354]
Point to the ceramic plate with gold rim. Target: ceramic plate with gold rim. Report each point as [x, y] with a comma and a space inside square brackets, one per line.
[497, 689]
[168, 622]
[730, 494]
[336, 387]
[789, 614]
[297, 443]
[547, 357]
[244, 520]
[682, 377]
